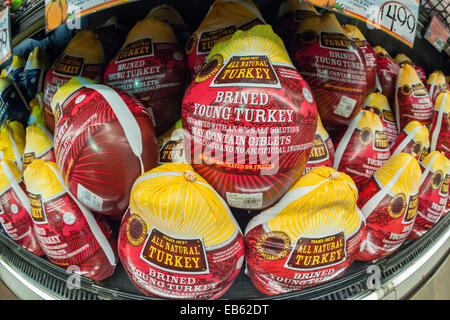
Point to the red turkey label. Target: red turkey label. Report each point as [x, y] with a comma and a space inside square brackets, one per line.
[247, 71]
[359, 43]
[387, 71]
[420, 72]
[413, 103]
[277, 266]
[366, 151]
[413, 146]
[28, 158]
[37, 208]
[440, 132]
[148, 72]
[16, 221]
[432, 201]
[173, 254]
[370, 60]
[239, 132]
[413, 203]
[95, 154]
[335, 41]
[389, 223]
[380, 142]
[436, 92]
[335, 71]
[389, 125]
[66, 68]
[313, 253]
[62, 230]
[388, 116]
[444, 189]
[155, 74]
[69, 66]
[165, 266]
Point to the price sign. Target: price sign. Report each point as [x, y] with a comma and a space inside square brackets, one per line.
[5, 35]
[398, 18]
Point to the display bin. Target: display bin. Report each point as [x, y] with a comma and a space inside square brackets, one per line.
[401, 274]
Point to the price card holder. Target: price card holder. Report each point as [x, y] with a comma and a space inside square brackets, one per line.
[396, 17]
[399, 19]
[5, 36]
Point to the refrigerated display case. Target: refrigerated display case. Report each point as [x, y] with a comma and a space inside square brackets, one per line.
[397, 276]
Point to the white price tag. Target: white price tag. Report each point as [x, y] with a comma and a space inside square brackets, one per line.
[245, 200]
[89, 198]
[399, 19]
[5, 35]
[396, 17]
[345, 107]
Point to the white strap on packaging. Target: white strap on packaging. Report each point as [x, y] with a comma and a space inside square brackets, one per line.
[396, 106]
[287, 199]
[437, 131]
[124, 116]
[427, 169]
[401, 146]
[433, 86]
[92, 223]
[373, 202]
[368, 100]
[378, 84]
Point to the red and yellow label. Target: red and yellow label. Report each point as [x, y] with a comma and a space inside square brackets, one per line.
[381, 141]
[412, 209]
[311, 253]
[28, 158]
[180, 255]
[319, 150]
[247, 69]
[140, 48]
[335, 40]
[37, 211]
[69, 66]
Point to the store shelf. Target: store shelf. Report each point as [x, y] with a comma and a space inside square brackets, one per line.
[28, 23]
[32, 277]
